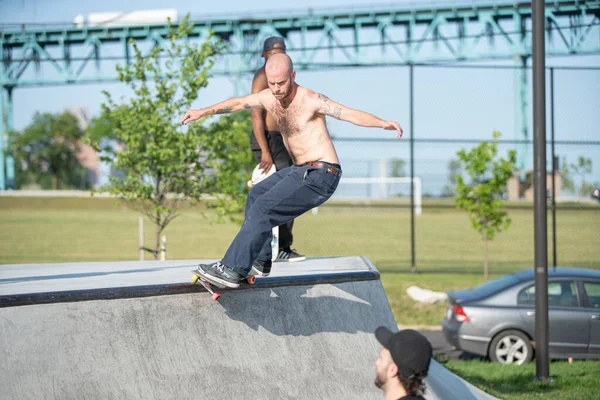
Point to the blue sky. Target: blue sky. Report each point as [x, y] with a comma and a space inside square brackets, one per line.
[449, 103]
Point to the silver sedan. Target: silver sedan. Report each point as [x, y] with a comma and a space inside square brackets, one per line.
[497, 319]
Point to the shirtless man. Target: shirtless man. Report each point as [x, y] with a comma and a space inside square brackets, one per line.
[268, 146]
[299, 113]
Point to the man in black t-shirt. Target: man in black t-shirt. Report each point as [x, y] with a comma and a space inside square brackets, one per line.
[403, 364]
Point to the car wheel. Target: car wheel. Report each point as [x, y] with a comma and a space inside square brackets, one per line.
[511, 347]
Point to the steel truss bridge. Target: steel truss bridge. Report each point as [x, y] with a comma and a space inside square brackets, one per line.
[66, 54]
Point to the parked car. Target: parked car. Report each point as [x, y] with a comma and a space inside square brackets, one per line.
[497, 319]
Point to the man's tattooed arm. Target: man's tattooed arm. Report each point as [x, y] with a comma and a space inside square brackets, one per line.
[224, 110]
[323, 105]
[225, 107]
[336, 112]
[229, 109]
[323, 97]
[326, 108]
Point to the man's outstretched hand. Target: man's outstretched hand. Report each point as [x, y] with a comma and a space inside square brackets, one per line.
[191, 115]
[393, 126]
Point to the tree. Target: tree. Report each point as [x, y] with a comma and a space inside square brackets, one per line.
[581, 169]
[454, 171]
[161, 164]
[482, 195]
[46, 152]
[398, 167]
[397, 170]
[100, 129]
[232, 161]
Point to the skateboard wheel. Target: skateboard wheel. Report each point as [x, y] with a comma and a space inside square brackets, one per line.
[216, 296]
[195, 279]
[251, 279]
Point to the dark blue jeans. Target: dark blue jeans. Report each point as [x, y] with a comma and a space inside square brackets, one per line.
[285, 195]
[281, 159]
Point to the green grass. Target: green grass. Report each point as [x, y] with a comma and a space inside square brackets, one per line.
[83, 229]
[571, 381]
[410, 312]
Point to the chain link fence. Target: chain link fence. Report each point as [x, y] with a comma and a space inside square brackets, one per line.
[371, 211]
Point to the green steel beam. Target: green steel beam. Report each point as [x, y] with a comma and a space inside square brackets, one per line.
[398, 36]
[57, 55]
[3, 138]
[10, 163]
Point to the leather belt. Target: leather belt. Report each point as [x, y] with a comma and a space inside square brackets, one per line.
[318, 164]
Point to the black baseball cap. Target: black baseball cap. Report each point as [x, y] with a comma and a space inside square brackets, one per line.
[410, 350]
[274, 43]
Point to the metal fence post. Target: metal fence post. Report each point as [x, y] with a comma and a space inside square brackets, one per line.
[412, 170]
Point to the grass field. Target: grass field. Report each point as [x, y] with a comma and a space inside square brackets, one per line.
[577, 381]
[85, 229]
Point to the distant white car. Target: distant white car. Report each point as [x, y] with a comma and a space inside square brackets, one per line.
[497, 319]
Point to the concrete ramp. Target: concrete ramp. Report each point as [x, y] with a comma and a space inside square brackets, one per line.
[141, 331]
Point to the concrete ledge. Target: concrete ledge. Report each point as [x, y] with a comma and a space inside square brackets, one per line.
[23, 284]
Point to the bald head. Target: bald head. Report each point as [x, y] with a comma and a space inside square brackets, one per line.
[278, 65]
[280, 75]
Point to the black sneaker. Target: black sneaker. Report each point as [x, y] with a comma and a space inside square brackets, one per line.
[261, 268]
[219, 274]
[289, 255]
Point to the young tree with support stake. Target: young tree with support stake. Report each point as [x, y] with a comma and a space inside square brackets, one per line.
[481, 197]
[160, 166]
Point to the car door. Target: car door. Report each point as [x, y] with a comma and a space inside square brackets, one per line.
[568, 322]
[592, 291]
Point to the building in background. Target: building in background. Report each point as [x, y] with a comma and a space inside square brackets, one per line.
[99, 172]
[520, 185]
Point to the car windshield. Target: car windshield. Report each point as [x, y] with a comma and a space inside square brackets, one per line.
[496, 285]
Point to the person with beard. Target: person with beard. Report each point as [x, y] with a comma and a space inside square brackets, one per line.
[403, 364]
[268, 147]
[299, 114]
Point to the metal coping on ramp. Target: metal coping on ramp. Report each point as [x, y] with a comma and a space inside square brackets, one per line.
[28, 284]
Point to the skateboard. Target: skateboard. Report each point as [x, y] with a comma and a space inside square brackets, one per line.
[210, 286]
[259, 175]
